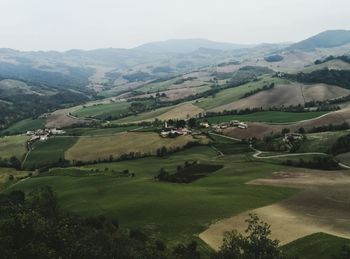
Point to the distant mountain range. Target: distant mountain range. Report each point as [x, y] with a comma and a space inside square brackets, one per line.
[187, 45]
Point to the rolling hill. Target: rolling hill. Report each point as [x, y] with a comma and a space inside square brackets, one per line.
[326, 39]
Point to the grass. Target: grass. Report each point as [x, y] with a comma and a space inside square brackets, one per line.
[13, 146]
[229, 146]
[103, 111]
[319, 245]
[181, 111]
[170, 211]
[5, 174]
[24, 126]
[98, 131]
[234, 94]
[48, 152]
[142, 143]
[320, 142]
[150, 115]
[158, 86]
[268, 116]
[344, 158]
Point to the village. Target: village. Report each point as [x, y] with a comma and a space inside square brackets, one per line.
[172, 131]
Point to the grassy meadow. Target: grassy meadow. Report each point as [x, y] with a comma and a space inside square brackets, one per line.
[103, 111]
[233, 94]
[48, 152]
[101, 148]
[24, 126]
[186, 209]
[268, 116]
[13, 146]
[319, 245]
[320, 142]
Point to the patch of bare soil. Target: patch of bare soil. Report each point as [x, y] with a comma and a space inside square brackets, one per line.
[61, 119]
[322, 205]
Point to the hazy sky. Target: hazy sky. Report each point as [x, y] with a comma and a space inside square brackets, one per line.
[89, 24]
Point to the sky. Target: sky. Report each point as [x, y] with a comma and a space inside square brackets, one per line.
[90, 24]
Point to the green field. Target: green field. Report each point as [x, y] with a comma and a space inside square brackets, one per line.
[320, 142]
[267, 116]
[48, 152]
[103, 111]
[229, 146]
[13, 146]
[158, 86]
[7, 173]
[98, 131]
[24, 126]
[150, 115]
[234, 94]
[138, 143]
[172, 212]
[344, 158]
[319, 245]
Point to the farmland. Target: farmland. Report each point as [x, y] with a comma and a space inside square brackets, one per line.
[267, 116]
[230, 95]
[186, 208]
[13, 146]
[319, 245]
[25, 125]
[49, 152]
[102, 148]
[103, 111]
[182, 111]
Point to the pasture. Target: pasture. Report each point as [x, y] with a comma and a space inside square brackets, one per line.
[319, 245]
[181, 111]
[103, 111]
[268, 117]
[141, 143]
[10, 176]
[170, 211]
[231, 95]
[49, 152]
[98, 131]
[319, 206]
[13, 146]
[320, 142]
[24, 126]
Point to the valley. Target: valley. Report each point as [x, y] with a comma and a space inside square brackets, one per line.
[183, 146]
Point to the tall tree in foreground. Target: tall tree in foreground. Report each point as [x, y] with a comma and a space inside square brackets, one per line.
[256, 244]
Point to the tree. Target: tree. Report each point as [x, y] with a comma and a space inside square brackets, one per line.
[256, 244]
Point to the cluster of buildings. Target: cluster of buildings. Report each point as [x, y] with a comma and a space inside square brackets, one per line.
[292, 136]
[171, 131]
[225, 125]
[43, 134]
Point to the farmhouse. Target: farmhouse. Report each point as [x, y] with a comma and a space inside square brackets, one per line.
[175, 132]
[293, 136]
[204, 125]
[43, 134]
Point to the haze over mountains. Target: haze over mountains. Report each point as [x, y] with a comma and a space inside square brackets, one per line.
[90, 74]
